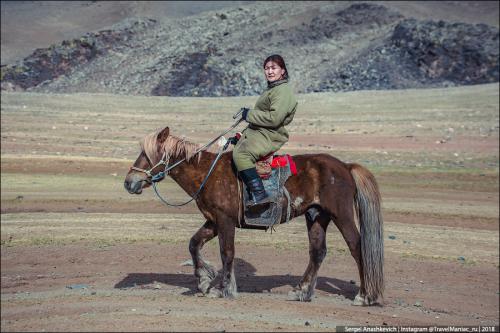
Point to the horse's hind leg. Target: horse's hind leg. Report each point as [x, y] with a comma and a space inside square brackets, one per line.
[347, 228]
[317, 252]
[203, 271]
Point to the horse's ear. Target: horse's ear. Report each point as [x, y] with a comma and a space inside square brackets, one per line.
[162, 136]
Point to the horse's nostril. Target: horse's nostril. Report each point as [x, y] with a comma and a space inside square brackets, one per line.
[128, 185]
[137, 187]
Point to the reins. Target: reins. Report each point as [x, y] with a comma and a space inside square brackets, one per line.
[166, 157]
[195, 196]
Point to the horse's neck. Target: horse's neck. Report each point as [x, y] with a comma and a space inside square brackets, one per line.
[190, 175]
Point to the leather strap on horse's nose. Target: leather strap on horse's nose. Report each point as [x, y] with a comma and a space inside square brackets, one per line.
[147, 172]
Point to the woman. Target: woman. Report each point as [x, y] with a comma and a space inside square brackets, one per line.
[266, 131]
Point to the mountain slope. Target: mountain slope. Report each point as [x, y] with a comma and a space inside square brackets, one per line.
[334, 46]
[27, 25]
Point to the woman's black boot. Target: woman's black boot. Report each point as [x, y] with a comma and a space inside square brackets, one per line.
[255, 186]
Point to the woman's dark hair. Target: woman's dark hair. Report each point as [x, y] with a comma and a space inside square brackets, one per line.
[279, 60]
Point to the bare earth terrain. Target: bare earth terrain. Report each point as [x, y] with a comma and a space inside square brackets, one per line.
[78, 253]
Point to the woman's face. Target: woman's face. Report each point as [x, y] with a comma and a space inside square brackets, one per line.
[273, 71]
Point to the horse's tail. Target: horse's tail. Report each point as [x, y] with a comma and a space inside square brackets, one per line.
[367, 201]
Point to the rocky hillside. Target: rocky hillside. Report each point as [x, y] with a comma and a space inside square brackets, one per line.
[334, 46]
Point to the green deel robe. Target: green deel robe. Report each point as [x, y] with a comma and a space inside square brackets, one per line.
[266, 132]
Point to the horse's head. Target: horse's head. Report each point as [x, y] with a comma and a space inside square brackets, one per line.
[143, 170]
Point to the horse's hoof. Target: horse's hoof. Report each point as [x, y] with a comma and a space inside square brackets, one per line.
[292, 296]
[299, 295]
[229, 295]
[204, 286]
[363, 301]
[214, 293]
[358, 301]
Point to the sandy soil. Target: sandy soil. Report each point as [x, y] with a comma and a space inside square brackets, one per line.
[144, 287]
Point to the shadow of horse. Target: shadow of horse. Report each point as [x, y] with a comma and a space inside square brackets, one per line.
[247, 281]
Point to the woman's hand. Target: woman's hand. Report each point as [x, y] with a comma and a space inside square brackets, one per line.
[234, 139]
[244, 113]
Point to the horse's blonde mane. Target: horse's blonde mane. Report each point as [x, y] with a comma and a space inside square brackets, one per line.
[173, 145]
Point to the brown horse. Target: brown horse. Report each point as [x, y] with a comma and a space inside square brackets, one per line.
[336, 190]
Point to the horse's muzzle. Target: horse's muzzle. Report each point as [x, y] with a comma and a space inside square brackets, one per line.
[133, 187]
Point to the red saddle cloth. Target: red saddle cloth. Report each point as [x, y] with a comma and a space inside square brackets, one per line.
[265, 165]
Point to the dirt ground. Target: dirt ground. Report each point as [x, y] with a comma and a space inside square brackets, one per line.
[80, 254]
[137, 287]
[142, 285]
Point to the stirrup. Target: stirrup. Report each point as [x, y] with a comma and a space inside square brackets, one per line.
[253, 202]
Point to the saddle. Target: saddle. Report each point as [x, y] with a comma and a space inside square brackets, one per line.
[269, 162]
[274, 171]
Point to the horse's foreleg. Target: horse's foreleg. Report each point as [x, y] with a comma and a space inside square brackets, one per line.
[317, 252]
[203, 271]
[228, 288]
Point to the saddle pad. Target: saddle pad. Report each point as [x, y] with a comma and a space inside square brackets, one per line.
[283, 160]
[265, 165]
[271, 214]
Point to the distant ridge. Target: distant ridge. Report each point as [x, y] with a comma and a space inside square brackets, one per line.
[328, 47]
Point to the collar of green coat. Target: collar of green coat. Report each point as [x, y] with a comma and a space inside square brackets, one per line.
[276, 83]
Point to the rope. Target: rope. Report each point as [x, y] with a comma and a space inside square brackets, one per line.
[195, 196]
[240, 202]
[288, 211]
[207, 145]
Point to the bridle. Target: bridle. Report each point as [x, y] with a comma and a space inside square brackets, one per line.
[160, 175]
[153, 179]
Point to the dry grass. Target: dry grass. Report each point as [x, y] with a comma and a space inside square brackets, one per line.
[423, 241]
[72, 152]
[110, 126]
